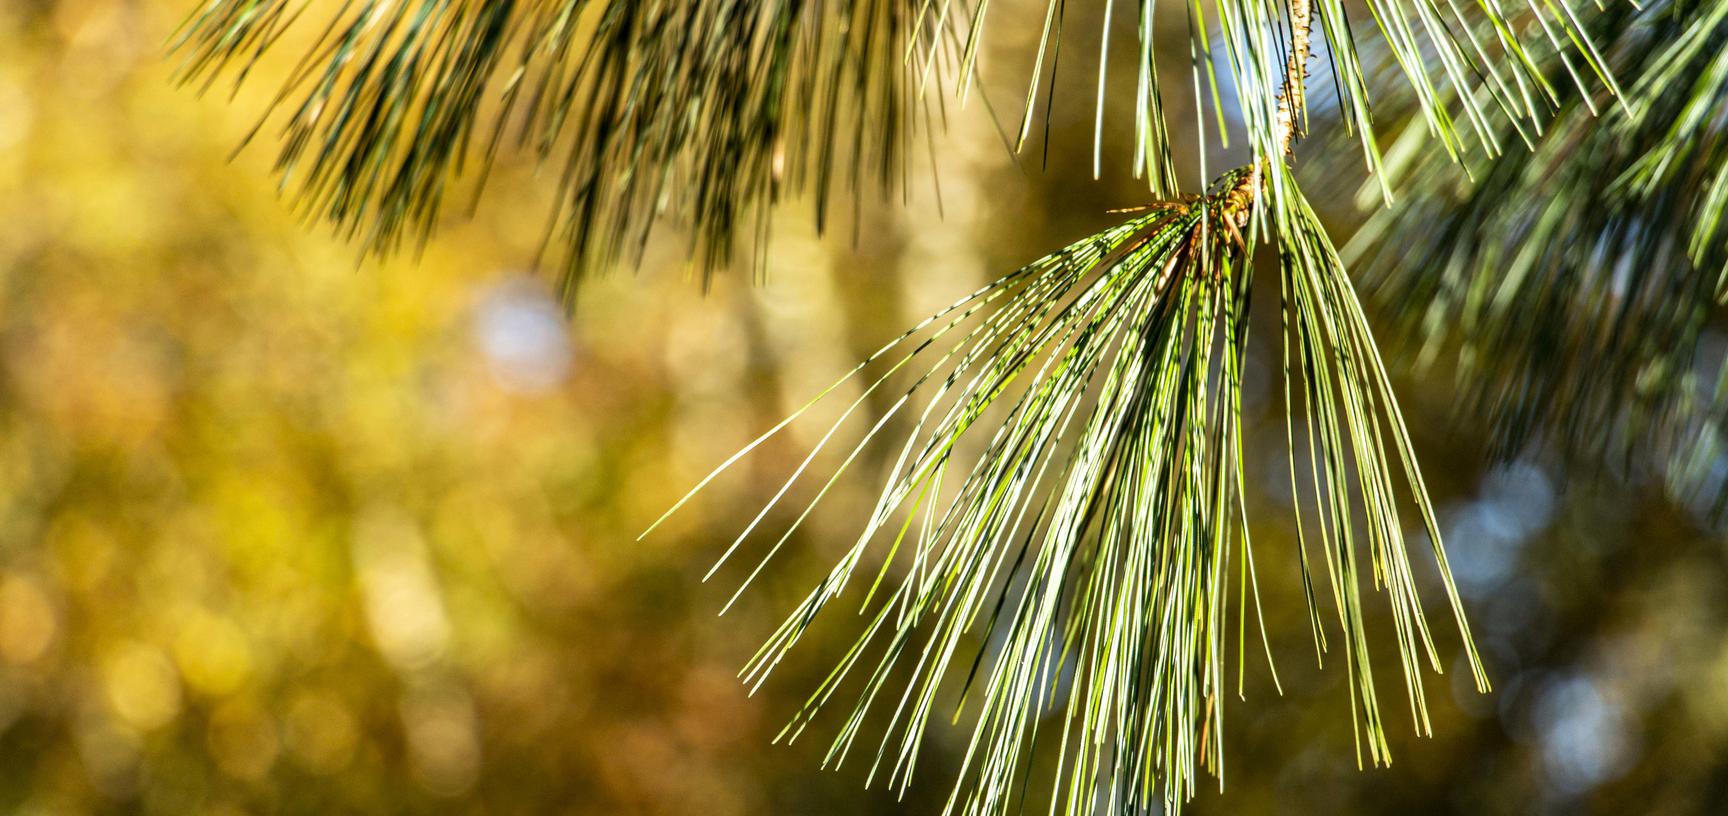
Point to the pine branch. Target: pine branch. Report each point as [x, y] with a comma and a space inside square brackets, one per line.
[1579, 281]
[1075, 481]
[708, 112]
[1291, 106]
[1077, 465]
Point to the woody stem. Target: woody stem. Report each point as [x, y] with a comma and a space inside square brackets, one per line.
[1292, 103]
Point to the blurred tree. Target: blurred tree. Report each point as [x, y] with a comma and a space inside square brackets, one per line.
[1076, 474]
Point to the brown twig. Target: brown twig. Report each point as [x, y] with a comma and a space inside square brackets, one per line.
[1292, 107]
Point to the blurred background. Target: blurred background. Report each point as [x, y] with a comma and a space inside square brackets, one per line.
[285, 530]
